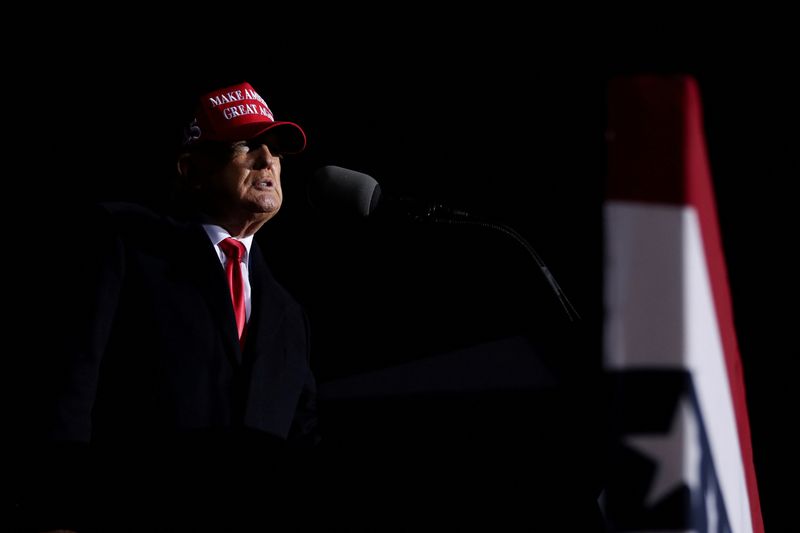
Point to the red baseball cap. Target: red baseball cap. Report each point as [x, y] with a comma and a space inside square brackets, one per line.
[238, 113]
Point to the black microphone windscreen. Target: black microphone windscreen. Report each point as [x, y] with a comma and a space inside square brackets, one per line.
[338, 189]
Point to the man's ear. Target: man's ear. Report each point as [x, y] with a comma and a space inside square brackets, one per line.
[189, 170]
[185, 165]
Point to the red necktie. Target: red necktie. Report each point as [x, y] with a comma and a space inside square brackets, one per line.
[234, 252]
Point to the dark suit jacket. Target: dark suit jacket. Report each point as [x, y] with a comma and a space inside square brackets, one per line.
[148, 369]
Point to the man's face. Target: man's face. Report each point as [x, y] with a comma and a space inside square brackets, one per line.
[249, 183]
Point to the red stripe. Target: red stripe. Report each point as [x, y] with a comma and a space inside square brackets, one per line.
[645, 120]
[700, 194]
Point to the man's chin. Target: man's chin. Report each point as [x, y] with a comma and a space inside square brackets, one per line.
[265, 211]
[267, 202]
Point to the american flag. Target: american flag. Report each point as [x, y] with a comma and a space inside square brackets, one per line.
[681, 458]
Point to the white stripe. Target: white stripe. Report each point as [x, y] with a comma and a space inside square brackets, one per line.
[660, 314]
[643, 279]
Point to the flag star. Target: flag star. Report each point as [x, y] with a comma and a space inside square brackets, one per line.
[676, 453]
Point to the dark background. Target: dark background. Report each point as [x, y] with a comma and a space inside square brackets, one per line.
[510, 126]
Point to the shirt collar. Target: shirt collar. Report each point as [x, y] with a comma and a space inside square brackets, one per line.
[218, 233]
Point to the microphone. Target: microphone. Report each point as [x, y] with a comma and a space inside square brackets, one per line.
[347, 192]
[342, 191]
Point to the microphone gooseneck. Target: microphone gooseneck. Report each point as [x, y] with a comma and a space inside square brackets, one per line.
[569, 309]
[340, 190]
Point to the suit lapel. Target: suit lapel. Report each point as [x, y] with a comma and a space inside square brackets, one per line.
[267, 309]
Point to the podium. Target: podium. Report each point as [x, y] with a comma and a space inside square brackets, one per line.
[482, 435]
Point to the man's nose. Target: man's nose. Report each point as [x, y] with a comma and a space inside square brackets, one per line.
[265, 157]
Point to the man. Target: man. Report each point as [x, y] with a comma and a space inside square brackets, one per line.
[182, 381]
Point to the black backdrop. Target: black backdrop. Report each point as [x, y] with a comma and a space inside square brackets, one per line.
[512, 129]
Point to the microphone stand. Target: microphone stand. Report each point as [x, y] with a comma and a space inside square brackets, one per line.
[440, 214]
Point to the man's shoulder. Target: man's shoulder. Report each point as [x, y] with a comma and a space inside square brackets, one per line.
[128, 212]
[135, 214]
[138, 221]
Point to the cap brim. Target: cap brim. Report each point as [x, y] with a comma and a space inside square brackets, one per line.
[288, 137]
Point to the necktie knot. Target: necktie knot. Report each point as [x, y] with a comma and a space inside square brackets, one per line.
[232, 248]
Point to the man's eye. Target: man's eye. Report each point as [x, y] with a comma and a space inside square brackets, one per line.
[255, 144]
[240, 148]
